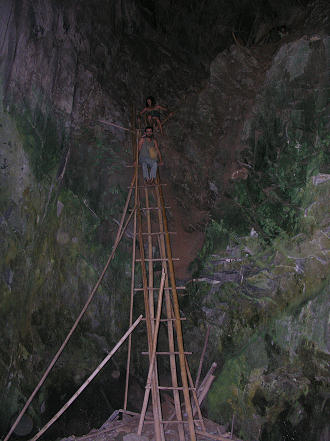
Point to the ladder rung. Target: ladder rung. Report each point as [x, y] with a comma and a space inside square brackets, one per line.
[157, 260]
[150, 208]
[171, 388]
[166, 320]
[157, 233]
[174, 388]
[133, 165]
[148, 186]
[157, 289]
[167, 353]
[172, 422]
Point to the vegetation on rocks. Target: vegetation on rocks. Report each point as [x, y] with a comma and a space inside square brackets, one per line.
[261, 279]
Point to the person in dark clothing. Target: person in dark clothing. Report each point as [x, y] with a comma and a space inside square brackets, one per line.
[152, 111]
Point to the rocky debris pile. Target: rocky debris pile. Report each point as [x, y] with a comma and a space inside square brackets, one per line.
[125, 429]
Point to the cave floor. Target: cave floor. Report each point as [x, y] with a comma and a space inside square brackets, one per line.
[115, 429]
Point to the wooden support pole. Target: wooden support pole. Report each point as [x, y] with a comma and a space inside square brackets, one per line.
[135, 158]
[177, 322]
[205, 389]
[151, 297]
[170, 331]
[89, 379]
[130, 314]
[155, 392]
[209, 373]
[202, 357]
[153, 358]
[150, 263]
[196, 407]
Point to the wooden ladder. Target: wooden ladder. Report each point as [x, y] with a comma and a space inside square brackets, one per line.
[161, 306]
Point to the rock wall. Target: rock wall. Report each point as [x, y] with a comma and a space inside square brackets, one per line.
[265, 296]
[260, 112]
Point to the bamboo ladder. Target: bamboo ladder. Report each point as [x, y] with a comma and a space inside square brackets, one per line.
[151, 213]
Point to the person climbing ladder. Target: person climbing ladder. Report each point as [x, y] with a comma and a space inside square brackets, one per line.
[152, 111]
[148, 153]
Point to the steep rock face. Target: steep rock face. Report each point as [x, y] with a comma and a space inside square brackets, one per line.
[266, 296]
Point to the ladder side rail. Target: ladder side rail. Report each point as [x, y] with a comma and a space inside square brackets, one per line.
[177, 322]
[170, 331]
[156, 409]
[151, 300]
[150, 263]
[136, 177]
[153, 356]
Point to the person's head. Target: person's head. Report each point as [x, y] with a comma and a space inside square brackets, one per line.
[150, 101]
[149, 131]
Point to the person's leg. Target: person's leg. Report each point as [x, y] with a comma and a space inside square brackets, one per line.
[153, 170]
[158, 124]
[149, 120]
[145, 171]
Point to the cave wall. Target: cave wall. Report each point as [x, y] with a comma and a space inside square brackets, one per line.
[64, 67]
[265, 295]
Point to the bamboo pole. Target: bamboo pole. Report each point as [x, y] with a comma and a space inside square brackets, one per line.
[202, 356]
[155, 392]
[89, 379]
[153, 356]
[209, 373]
[205, 389]
[177, 322]
[200, 416]
[170, 332]
[135, 160]
[130, 315]
[151, 297]
[150, 262]
[114, 125]
[119, 235]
